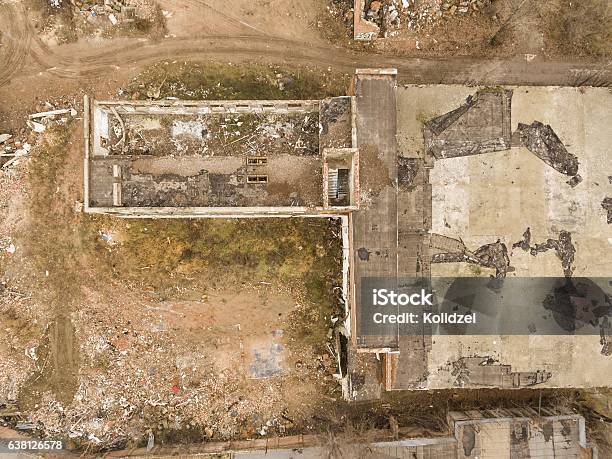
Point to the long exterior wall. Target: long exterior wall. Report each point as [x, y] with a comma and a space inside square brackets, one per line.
[216, 212]
[183, 107]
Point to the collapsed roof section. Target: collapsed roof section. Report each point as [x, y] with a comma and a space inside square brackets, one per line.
[221, 158]
[481, 125]
[541, 140]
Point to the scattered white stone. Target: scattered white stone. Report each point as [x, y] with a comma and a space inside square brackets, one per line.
[36, 127]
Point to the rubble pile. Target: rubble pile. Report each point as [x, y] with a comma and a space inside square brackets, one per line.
[141, 373]
[463, 7]
[117, 11]
[392, 15]
[15, 146]
[12, 148]
[244, 132]
[494, 255]
[18, 358]
[542, 141]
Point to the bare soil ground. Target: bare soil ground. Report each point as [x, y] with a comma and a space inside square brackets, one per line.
[270, 18]
[190, 329]
[500, 28]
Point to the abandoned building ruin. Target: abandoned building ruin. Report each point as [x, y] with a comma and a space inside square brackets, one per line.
[337, 158]
[474, 434]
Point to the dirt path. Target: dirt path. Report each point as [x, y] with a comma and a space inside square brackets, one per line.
[15, 40]
[25, 61]
[81, 61]
[235, 17]
[64, 355]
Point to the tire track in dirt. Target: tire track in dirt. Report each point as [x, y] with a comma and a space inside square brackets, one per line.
[16, 39]
[82, 61]
[20, 41]
[228, 17]
[65, 361]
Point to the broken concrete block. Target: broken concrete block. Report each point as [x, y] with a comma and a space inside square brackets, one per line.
[5, 137]
[36, 127]
[49, 113]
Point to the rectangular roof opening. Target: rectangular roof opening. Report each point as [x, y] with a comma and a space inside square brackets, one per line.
[257, 179]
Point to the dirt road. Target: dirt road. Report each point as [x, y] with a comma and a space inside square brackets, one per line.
[80, 61]
[26, 60]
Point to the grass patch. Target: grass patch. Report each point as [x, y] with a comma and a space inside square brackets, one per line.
[184, 258]
[217, 81]
[167, 253]
[57, 236]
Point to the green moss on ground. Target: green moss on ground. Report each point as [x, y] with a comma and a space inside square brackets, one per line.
[219, 81]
